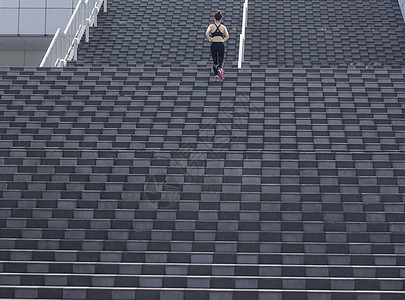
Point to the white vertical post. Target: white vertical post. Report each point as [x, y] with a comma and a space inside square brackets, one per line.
[62, 63]
[95, 16]
[247, 8]
[243, 49]
[401, 5]
[242, 36]
[241, 42]
[57, 52]
[87, 30]
[75, 44]
[243, 19]
[63, 48]
[105, 6]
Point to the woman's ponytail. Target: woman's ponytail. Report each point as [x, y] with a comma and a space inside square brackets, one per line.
[218, 15]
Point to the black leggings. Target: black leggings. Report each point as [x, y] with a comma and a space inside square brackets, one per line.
[217, 51]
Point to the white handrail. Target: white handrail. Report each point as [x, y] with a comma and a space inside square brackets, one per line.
[241, 58]
[65, 43]
[402, 7]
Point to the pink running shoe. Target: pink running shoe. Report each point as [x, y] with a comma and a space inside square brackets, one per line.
[221, 73]
[216, 78]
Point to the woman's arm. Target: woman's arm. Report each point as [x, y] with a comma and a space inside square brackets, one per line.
[207, 33]
[226, 35]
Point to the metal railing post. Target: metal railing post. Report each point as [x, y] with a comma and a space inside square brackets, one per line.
[240, 52]
[95, 16]
[402, 7]
[61, 63]
[241, 57]
[247, 11]
[75, 45]
[49, 53]
[64, 42]
[87, 30]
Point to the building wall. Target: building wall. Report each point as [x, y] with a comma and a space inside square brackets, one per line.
[21, 58]
[34, 17]
[27, 28]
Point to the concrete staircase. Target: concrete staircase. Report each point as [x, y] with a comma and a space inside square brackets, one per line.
[138, 177]
[160, 33]
[319, 33]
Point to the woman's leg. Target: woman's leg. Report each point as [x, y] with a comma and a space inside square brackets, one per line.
[221, 54]
[214, 53]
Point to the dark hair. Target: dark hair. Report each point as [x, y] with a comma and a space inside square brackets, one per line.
[218, 15]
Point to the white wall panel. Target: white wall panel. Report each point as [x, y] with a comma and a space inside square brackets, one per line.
[37, 17]
[9, 21]
[32, 21]
[32, 3]
[9, 3]
[57, 18]
[59, 4]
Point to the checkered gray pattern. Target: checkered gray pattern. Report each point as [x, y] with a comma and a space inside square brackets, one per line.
[168, 33]
[137, 177]
[325, 33]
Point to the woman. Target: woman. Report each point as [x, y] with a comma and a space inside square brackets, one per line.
[215, 34]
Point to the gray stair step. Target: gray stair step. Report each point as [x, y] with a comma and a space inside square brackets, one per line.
[193, 269]
[309, 260]
[191, 293]
[224, 282]
[294, 244]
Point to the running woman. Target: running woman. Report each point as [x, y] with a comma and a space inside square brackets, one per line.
[217, 34]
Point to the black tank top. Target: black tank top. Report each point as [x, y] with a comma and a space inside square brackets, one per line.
[217, 32]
